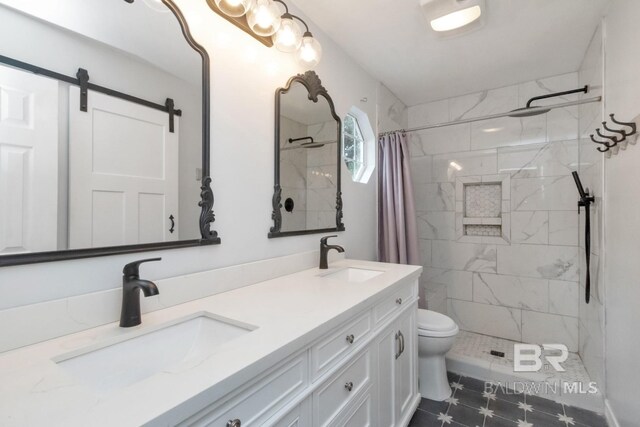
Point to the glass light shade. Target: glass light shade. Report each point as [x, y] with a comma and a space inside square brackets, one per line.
[456, 19]
[288, 38]
[264, 17]
[234, 8]
[310, 52]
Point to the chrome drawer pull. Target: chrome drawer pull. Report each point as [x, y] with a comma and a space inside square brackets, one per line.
[350, 338]
[349, 386]
[399, 301]
[234, 423]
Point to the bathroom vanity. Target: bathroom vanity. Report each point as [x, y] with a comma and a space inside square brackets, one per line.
[314, 348]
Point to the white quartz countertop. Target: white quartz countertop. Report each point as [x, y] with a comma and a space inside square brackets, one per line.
[290, 312]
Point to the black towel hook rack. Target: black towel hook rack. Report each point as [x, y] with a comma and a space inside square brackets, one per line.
[632, 125]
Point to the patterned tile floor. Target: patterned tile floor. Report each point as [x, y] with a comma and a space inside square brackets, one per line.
[472, 406]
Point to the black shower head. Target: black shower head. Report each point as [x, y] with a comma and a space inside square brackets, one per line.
[531, 110]
[528, 111]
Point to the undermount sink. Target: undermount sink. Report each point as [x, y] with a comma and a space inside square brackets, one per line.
[353, 275]
[134, 357]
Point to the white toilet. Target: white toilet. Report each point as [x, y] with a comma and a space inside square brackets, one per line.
[436, 334]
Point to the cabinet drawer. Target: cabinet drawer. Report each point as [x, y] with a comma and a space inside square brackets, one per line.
[336, 345]
[260, 400]
[394, 303]
[343, 388]
[300, 416]
[358, 415]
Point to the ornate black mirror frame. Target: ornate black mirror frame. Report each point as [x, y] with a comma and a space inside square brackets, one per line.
[312, 83]
[207, 217]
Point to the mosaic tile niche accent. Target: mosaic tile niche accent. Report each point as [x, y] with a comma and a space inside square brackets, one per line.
[483, 209]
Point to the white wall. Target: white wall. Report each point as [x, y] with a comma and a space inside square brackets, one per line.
[622, 272]
[245, 75]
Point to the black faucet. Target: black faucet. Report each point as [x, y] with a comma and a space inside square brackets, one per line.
[324, 251]
[131, 287]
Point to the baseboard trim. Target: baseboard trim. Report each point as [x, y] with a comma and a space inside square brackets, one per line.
[414, 405]
[609, 415]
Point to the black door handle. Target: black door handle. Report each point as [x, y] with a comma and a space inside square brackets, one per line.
[173, 224]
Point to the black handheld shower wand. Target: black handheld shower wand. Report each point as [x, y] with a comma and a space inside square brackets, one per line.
[585, 202]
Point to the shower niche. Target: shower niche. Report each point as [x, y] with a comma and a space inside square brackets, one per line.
[483, 209]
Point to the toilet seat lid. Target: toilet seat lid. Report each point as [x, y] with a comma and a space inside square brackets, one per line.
[432, 321]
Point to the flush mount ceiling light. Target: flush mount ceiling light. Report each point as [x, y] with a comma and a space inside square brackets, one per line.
[453, 16]
[271, 22]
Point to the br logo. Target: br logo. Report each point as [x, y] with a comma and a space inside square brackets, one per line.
[529, 357]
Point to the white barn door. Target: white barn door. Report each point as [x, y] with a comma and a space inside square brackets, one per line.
[123, 173]
[28, 162]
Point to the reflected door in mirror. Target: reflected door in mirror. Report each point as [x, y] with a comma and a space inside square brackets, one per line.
[123, 173]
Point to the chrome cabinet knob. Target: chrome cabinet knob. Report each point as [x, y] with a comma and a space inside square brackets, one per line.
[234, 423]
[349, 386]
[399, 301]
[350, 338]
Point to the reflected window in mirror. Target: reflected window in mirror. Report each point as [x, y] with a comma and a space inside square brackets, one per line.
[103, 130]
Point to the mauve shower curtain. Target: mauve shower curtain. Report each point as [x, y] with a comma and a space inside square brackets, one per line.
[397, 229]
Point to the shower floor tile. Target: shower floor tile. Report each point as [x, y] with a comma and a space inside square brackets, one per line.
[475, 403]
[471, 355]
[476, 346]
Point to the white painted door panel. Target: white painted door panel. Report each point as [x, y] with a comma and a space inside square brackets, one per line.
[28, 162]
[123, 167]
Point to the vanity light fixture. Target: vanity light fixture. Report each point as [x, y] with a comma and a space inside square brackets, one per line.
[446, 16]
[264, 17]
[269, 24]
[234, 8]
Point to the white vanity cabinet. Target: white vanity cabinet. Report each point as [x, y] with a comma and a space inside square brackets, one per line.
[361, 373]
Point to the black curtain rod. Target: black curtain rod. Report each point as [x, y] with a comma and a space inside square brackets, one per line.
[74, 81]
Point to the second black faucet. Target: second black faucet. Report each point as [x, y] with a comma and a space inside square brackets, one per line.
[324, 251]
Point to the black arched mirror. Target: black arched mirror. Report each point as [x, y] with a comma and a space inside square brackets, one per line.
[105, 134]
[307, 160]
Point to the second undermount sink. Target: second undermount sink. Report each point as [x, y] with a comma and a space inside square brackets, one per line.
[353, 275]
[137, 356]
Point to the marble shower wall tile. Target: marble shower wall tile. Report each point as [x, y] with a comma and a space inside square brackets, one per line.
[539, 160]
[511, 291]
[544, 328]
[430, 113]
[483, 103]
[464, 256]
[542, 261]
[458, 283]
[564, 298]
[563, 228]
[530, 227]
[487, 319]
[421, 169]
[440, 140]
[507, 131]
[436, 225]
[543, 194]
[447, 167]
[434, 197]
